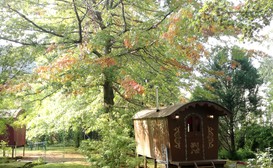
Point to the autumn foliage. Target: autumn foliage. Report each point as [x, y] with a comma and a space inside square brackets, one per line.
[173, 63]
[105, 62]
[52, 72]
[131, 87]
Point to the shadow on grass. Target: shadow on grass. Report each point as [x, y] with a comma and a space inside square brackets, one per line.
[61, 165]
[12, 163]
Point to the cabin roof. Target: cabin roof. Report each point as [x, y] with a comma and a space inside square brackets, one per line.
[12, 113]
[167, 111]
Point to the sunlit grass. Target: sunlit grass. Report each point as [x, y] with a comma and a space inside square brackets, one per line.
[49, 150]
[56, 153]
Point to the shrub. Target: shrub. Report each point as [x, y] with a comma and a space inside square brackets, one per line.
[224, 154]
[241, 154]
[263, 159]
[114, 148]
[245, 154]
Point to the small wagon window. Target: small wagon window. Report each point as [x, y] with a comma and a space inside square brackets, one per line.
[193, 124]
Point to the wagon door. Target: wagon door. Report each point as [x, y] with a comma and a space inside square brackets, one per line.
[194, 137]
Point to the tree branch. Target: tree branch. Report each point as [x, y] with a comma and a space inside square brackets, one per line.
[45, 97]
[128, 100]
[97, 53]
[114, 6]
[18, 42]
[79, 22]
[95, 15]
[125, 27]
[132, 51]
[34, 24]
[158, 23]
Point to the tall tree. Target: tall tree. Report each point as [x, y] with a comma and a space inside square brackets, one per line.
[115, 34]
[115, 29]
[231, 80]
[113, 37]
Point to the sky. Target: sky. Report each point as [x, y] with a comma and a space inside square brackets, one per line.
[265, 45]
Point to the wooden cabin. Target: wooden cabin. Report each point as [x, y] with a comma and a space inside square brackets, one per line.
[14, 136]
[182, 135]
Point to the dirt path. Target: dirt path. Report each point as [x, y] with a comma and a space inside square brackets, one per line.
[54, 157]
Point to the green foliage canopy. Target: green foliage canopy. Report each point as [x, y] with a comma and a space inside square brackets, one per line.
[231, 80]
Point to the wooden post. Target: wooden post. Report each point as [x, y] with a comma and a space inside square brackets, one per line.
[167, 164]
[155, 163]
[145, 162]
[24, 150]
[15, 150]
[138, 165]
[12, 152]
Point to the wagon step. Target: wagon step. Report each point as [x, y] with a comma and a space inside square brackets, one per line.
[204, 166]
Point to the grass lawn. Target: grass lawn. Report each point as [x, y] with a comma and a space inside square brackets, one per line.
[60, 157]
[49, 165]
[61, 165]
[12, 165]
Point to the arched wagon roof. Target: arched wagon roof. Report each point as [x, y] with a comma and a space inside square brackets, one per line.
[12, 113]
[167, 111]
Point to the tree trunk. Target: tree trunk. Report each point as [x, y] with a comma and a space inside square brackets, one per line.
[232, 136]
[108, 92]
[78, 136]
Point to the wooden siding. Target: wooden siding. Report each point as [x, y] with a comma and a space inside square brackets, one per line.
[151, 137]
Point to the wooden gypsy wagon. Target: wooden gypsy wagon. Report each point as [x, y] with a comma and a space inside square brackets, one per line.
[14, 136]
[182, 135]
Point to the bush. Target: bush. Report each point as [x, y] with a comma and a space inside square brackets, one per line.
[245, 154]
[224, 154]
[115, 148]
[263, 159]
[241, 154]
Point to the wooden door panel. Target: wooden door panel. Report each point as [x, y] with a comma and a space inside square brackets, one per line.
[194, 137]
